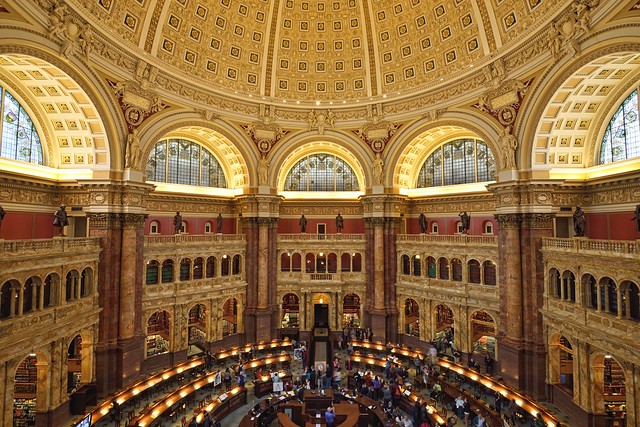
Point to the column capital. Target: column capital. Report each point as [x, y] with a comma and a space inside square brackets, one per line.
[110, 220]
[525, 220]
[111, 195]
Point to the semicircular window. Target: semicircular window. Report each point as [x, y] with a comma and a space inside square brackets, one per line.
[621, 139]
[20, 139]
[180, 161]
[321, 172]
[462, 161]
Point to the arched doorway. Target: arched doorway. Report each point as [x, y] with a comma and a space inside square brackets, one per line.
[609, 391]
[290, 311]
[74, 364]
[158, 333]
[443, 325]
[412, 318]
[321, 310]
[351, 311]
[24, 392]
[197, 329]
[561, 363]
[483, 334]
[230, 317]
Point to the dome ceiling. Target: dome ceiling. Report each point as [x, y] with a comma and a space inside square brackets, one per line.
[320, 50]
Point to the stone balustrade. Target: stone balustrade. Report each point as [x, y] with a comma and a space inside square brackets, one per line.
[187, 239]
[36, 247]
[615, 248]
[452, 239]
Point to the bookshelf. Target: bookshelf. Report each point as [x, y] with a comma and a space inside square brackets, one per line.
[290, 311]
[24, 403]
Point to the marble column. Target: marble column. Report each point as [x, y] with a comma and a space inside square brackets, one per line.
[520, 337]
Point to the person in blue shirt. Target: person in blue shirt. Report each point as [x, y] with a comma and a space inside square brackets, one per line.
[330, 417]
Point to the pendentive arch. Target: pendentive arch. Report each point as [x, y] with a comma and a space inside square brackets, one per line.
[92, 102]
[413, 144]
[225, 141]
[288, 152]
[555, 96]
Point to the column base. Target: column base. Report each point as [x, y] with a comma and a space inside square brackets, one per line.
[106, 356]
[130, 357]
[54, 417]
[512, 363]
[378, 325]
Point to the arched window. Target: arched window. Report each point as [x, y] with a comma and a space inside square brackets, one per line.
[417, 265]
[444, 268]
[184, 162]
[235, 267]
[167, 271]
[154, 227]
[488, 227]
[356, 262]
[462, 161]
[554, 283]
[197, 268]
[285, 261]
[431, 267]
[489, 270]
[29, 293]
[434, 227]
[20, 139]
[332, 263]
[6, 298]
[321, 172]
[185, 269]
[474, 271]
[211, 267]
[456, 265]
[86, 282]
[207, 227]
[621, 139]
[345, 262]
[406, 267]
[224, 266]
[152, 272]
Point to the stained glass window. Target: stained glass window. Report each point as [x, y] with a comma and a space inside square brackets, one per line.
[321, 172]
[184, 162]
[621, 139]
[20, 139]
[462, 161]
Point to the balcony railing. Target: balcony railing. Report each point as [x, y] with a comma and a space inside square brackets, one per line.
[629, 248]
[11, 248]
[192, 238]
[448, 239]
[330, 237]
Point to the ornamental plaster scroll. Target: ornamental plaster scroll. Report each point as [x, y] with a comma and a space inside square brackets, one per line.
[75, 34]
[564, 32]
[138, 100]
[320, 120]
[503, 102]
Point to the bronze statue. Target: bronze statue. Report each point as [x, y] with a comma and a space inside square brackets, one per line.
[2, 213]
[177, 223]
[303, 224]
[339, 223]
[219, 223]
[578, 222]
[60, 220]
[466, 222]
[422, 222]
[636, 218]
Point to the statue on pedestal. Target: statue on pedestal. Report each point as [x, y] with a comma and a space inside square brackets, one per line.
[578, 222]
[422, 222]
[303, 224]
[466, 222]
[636, 218]
[2, 213]
[339, 223]
[60, 220]
[219, 223]
[177, 223]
